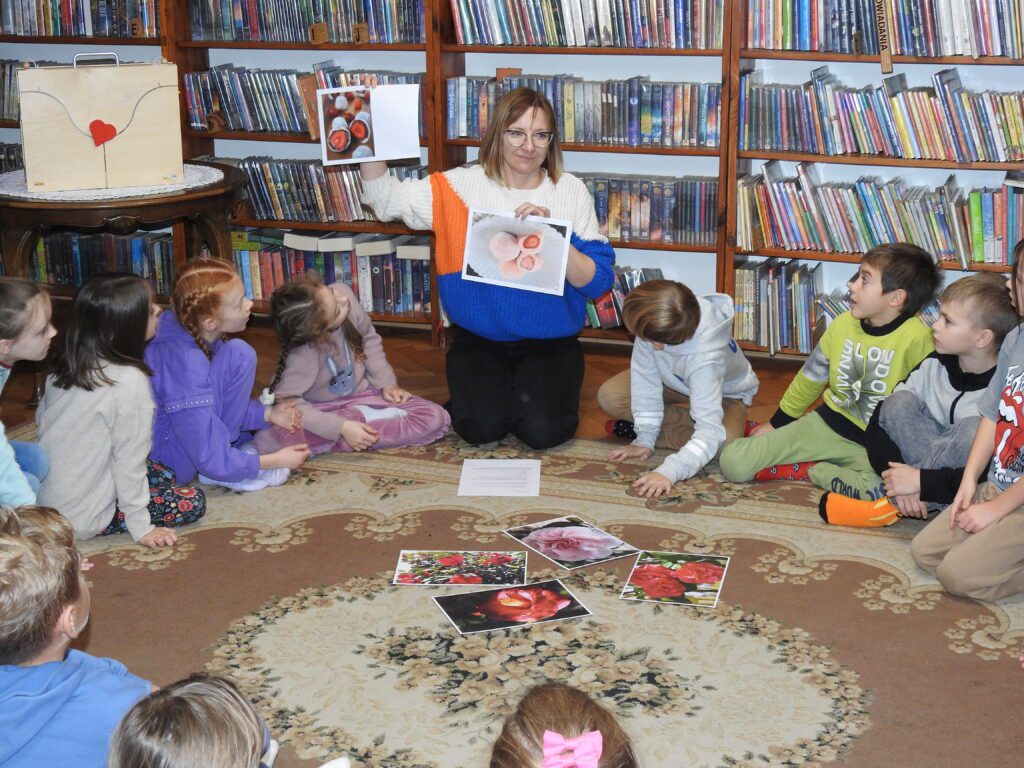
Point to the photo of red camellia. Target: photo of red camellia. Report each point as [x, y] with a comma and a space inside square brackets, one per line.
[656, 581]
[511, 607]
[672, 577]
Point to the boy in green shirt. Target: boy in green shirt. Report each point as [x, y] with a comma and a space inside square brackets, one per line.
[863, 354]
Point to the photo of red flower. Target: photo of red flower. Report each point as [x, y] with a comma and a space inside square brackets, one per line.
[511, 607]
[671, 577]
[432, 567]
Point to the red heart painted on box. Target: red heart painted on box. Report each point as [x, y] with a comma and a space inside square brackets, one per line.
[101, 132]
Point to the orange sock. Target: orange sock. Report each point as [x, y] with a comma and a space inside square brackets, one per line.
[836, 509]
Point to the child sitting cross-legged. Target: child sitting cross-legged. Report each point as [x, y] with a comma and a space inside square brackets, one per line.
[688, 384]
[919, 437]
[58, 707]
[862, 355]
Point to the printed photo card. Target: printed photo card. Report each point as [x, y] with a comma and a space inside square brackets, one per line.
[571, 542]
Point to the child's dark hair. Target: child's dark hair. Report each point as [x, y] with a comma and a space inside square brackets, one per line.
[299, 319]
[1018, 255]
[909, 268]
[566, 711]
[108, 323]
[984, 298]
[15, 294]
[662, 311]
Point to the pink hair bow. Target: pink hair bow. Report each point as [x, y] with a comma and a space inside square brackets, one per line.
[582, 752]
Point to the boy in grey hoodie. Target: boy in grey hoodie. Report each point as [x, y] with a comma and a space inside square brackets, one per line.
[688, 384]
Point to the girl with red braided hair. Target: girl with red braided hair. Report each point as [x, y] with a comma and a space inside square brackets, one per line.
[202, 385]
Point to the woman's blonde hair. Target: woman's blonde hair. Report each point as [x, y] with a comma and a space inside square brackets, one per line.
[662, 311]
[198, 293]
[507, 111]
[566, 711]
[200, 722]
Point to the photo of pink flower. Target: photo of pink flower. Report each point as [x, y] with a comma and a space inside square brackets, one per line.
[571, 542]
[672, 577]
[432, 567]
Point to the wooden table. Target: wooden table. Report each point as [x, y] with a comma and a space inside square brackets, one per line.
[208, 209]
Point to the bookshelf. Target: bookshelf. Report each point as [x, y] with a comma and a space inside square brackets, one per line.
[442, 57]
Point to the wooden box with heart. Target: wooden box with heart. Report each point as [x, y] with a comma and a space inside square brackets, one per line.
[95, 126]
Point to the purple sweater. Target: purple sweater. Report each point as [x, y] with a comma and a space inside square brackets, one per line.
[188, 435]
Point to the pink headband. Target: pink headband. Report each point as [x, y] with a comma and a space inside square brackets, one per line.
[582, 752]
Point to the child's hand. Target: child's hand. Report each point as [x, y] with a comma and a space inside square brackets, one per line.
[964, 497]
[159, 537]
[290, 456]
[285, 415]
[901, 479]
[358, 435]
[977, 517]
[631, 452]
[87, 564]
[395, 394]
[652, 485]
[910, 505]
[762, 429]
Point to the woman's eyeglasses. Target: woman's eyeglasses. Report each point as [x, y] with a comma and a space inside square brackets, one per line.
[517, 138]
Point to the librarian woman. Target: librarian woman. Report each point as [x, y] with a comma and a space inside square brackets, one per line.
[515, 365]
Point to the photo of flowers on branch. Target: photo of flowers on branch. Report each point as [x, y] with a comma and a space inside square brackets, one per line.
[571, 542]
[671, 577]
[511, 607]
[431, 567]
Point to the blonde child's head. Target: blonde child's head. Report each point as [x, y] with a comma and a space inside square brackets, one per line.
[200, 722]
[306, 312]
[982, 302]
[567, 715]
[209, 301]
[661, 311]
[42, 591]
[25, 314]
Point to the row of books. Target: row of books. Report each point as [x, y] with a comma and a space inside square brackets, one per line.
[606, 311]
[344, 21]
[658, 210]
[11, 158]
[944, 121]
[803, 213]
[9, 101]
[280, 100]
[634, 112]
[99, 18]
[68, 259]
[389, 274]
[777, 304]
[590, 23]
[917, 27]
[305, 190]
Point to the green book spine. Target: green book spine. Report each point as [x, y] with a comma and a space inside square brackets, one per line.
[977, 229]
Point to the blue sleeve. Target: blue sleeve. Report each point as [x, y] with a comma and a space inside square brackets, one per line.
[206, 440]
[253, 418]
[14, 488]
[603, 256]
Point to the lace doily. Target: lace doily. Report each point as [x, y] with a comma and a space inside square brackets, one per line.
[12, 184]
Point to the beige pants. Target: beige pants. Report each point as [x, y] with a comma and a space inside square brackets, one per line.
[676, 425]
[987, 565]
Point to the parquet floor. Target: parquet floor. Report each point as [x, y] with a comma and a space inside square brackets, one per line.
[420, 369]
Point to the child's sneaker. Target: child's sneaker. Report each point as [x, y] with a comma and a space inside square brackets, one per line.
[274, 477]
[255, 484]
[620, 428]
[797, 471]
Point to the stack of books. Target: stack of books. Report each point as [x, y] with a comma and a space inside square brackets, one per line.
[305, 190]
[658, 209]
[386, 21]
[803, 213]
[390, 274]
[606, 311]
[99, 18]
[633, 113]
[591, 23]
[68, 259]
[919, 28]
[943, 121]
[777, 304]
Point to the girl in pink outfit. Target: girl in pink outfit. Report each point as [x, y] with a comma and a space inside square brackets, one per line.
[332, 360]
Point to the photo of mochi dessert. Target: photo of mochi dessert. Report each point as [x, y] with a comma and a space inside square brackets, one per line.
[504, 247]
[531, 243]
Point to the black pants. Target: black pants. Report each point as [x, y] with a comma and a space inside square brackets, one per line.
[528, 388]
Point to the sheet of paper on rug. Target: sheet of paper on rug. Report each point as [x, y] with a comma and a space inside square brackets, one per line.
[511, 607]
[431, 567]
[500, 477]
[571, 542]
[676, 577]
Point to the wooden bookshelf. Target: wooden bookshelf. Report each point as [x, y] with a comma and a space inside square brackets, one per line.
[10, 124]
[270, 45]
[385, 227]
[81, 40]
[858, 58]
[272, 136]
[614, 148]
[856, 159]
[580, 51]
[854, 258]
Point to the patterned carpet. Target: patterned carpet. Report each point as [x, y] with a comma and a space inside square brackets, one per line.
[828, 646]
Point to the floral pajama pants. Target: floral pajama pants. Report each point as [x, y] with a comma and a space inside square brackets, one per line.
[170, 505]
